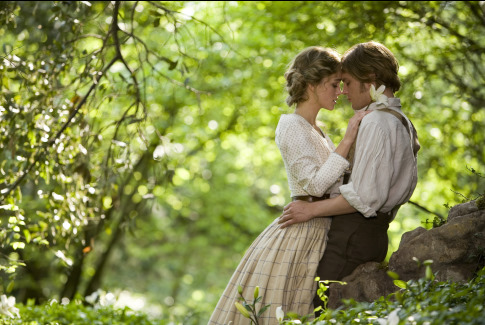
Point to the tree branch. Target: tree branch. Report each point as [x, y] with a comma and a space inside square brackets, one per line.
[115, 29]
[41, 151]
[172, 12]
[425, 209]
[476, 11]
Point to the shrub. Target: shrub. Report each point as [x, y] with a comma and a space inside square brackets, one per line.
[425, 301]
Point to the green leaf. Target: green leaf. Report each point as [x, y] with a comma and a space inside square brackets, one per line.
[27, 236]
[393, 275]
[401, 284]
[155, 13]
[262, 310]
[17, 245]
[10, 286]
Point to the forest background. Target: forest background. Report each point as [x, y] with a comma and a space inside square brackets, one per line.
[137, 138]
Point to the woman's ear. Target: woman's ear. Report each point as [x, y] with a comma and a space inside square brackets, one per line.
[310, 90]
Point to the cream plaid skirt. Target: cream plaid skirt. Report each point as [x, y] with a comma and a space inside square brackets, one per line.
[283, 263]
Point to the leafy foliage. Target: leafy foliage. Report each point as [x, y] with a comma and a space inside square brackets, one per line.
[77, 313]
[137, 138]
[424, 301]
[249, 310]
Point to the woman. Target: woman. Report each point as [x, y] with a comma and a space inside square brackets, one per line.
[283, 262]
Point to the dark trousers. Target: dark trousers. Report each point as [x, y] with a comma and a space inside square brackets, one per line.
[352, 240]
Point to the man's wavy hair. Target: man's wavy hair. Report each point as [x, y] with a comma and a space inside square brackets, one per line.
[372, 62]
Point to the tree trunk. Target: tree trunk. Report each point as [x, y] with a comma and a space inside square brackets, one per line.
[72, 283]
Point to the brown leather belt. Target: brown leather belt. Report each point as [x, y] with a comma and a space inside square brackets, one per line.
[310, 198]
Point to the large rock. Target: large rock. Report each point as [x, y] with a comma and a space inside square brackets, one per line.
[463, 210]
[366, 283]
[457, 250]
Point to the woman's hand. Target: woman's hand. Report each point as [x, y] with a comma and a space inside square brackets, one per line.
[295, 212]
[351, 133]
[353, 126]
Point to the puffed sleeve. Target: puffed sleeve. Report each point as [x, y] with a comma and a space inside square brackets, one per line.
[370, 183]
[298, 150]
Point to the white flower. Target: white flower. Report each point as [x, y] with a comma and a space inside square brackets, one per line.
[7, 306]
[107, 299]
[377, 95]
[280, 314]
[92, 297]
[393, 318]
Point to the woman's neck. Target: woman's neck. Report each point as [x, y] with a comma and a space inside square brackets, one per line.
[308, 112]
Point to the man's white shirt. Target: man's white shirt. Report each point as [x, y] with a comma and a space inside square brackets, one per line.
[384, 174]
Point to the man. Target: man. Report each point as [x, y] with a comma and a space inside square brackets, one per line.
[384, 167]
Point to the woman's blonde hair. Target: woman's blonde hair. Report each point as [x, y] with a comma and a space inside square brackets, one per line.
[309, 67]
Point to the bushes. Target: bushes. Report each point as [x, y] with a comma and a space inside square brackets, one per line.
[424, 301]
[76, 313]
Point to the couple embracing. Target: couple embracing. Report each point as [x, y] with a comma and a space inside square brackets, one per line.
[343, 197]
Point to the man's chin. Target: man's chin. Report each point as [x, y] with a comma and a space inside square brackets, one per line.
[358, 109]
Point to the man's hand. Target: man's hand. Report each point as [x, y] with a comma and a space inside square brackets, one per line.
[295, 212]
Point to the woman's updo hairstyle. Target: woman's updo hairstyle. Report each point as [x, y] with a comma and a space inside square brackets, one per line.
[309, 67]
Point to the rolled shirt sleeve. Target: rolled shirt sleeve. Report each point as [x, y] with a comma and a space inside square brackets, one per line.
[370, 182]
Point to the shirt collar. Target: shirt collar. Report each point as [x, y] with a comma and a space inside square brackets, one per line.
[394, 102]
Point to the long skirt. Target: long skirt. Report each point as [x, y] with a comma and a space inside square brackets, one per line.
[283, 263]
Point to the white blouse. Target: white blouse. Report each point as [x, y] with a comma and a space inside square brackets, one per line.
[312, 166]
[384, 174]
